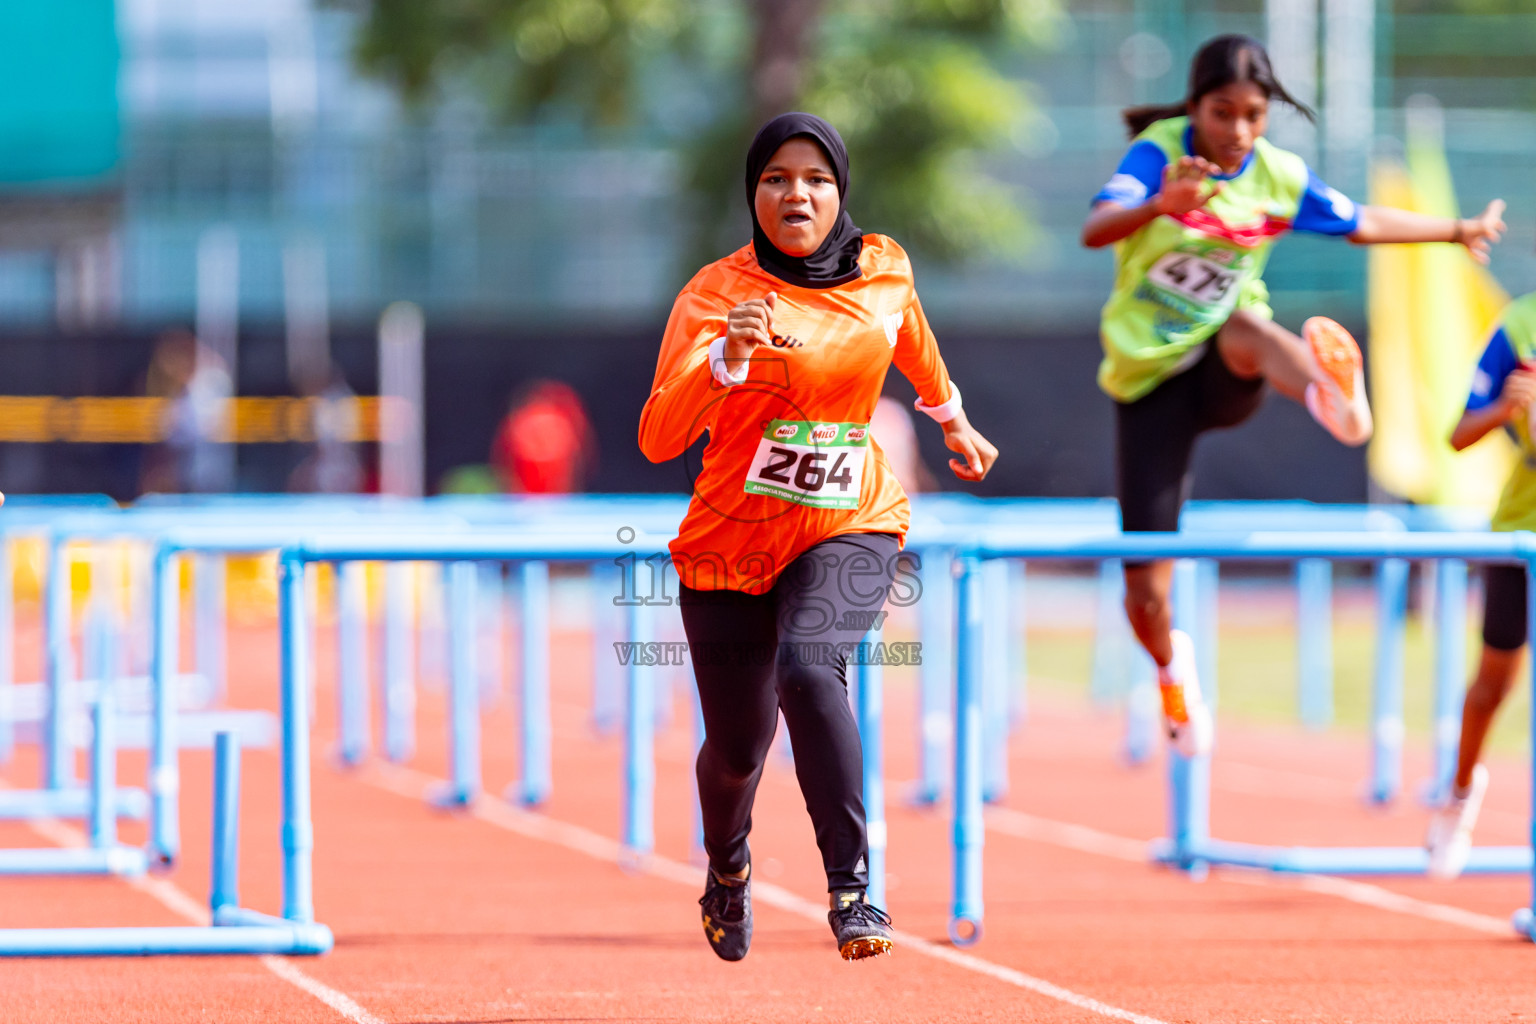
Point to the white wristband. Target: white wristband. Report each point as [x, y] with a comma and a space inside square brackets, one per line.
[717, 364]
[942, 413]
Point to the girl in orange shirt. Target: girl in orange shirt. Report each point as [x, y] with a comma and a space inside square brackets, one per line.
[780, 351]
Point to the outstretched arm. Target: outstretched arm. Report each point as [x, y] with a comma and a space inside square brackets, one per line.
[1380, 224]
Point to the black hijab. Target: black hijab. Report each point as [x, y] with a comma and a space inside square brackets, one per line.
[836, 261]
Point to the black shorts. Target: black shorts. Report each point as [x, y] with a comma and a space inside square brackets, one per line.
[1504, 607]
[1155, 437]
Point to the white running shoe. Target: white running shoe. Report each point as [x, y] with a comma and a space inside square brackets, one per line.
[1450, 830]
[1338, 402]
[1185, 711]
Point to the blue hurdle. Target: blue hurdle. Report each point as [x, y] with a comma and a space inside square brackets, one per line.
[235, 930]
[1121, 669]
[535, 549]
[1189, 845]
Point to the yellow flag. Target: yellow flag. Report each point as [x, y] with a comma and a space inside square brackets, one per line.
[1431, 310]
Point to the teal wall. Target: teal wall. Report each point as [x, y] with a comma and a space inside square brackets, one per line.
[58, 92]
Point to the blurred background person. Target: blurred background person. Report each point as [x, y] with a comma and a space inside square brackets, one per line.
[335, 465]
[545, 443]
[194, 455]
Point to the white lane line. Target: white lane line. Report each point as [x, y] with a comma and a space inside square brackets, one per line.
[180, 903]
[1304, 787]
[1066, 834]
[413, 785]
[1385, 899]
[1089, 840]
[336, 1000]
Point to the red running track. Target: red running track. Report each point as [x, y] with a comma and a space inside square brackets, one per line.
[496, 915]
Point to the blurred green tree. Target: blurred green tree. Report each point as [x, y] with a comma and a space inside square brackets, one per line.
[916, 87]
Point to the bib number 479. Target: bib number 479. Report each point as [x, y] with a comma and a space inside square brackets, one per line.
[1195, 277]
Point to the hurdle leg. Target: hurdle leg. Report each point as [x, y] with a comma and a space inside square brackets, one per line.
[1111, 653]
[7, 653]
[103, 766]
[463, 687]
[697, 854]
[1314, 641]
[224, 891]
[1524, 919]
[210, 652]
[1450, 672]
[352, 661]
[969, 827]
[639, 743]
[533, 687]
[58, 753]
[1143, 707]
[1387, 685]
[1208, 626]
[607, 627]
[498, 591]
[937, 625]
[1122, 669]
[995, 671]
[1018, 690]
[298, 829]
[1189, 779]
[164, 659]
[871, 715]
[399, 676]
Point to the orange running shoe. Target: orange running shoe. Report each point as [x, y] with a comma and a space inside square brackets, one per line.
[1185, 712]
[1337, 400]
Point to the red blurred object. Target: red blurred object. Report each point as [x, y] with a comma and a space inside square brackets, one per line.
[545, 443]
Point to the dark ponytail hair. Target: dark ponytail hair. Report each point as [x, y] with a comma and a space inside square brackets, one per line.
[1220, 62]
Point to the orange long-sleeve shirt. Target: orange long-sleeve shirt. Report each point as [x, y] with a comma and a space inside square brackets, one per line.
[755, 496]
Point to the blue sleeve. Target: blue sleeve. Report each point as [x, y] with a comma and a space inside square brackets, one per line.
[1324, 210]
[1137, 179]
[1497, 363]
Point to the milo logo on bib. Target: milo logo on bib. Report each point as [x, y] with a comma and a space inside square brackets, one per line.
[820, 465]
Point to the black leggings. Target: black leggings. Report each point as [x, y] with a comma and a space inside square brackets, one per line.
[1504, 607]
[1156, 435]
[754, 654]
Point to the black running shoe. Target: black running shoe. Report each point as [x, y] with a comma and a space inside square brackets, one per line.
[727, 914]
[861, 928]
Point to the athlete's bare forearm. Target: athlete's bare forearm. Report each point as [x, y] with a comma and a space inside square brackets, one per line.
[1110, 222]
[1475, 424]
[1385, 224]
[1379, 224]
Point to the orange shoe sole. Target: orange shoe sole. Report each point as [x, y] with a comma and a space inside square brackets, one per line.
[1173, 704]
[858, 949]
[1335, 351]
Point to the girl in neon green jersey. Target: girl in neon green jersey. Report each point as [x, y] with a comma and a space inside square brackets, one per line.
[1189, 339]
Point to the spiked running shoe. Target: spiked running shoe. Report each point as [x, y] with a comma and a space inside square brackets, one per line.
[1450, 831]
[727, 913]
[861, 928]
[1337, 401]
[1185, 712]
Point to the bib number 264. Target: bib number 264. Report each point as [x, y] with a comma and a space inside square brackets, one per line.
[820, 465]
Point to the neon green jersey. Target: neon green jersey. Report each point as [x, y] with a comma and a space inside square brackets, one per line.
[1513, 344]
[1177, 280]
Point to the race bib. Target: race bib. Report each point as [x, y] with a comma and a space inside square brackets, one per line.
[1201, 281]
[816, 464]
